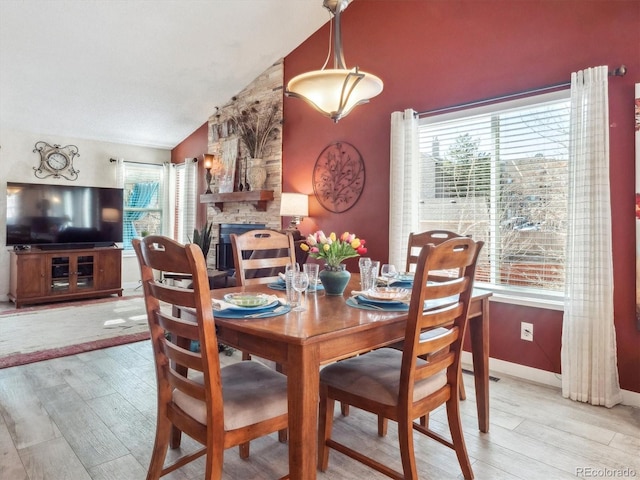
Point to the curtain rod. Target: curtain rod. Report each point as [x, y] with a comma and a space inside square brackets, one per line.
[618, 72]
[115, 160]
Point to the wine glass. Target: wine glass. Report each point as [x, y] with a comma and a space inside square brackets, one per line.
[300, 282]
[389, 272]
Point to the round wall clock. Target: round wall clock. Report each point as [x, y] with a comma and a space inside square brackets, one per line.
[338, 177]
[56, 160]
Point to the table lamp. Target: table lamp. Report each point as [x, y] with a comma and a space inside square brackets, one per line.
[296, 206]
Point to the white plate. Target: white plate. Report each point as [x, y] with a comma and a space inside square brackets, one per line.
[388, 294]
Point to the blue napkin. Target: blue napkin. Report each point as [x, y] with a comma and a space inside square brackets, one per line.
[266, 312]
[368, 304]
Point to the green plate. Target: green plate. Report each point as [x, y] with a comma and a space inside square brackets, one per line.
[247, 300]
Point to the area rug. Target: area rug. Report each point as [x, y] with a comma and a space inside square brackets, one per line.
[40, 333]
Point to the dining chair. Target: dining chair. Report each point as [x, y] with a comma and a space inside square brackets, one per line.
[415, 244]
[399, 384]
[419, 240]
[218, 407]
[259, 255]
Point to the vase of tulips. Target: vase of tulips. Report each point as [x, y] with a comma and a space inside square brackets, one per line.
[334, 250]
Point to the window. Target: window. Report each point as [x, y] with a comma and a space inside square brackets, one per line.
[499, 174]
[143, 199]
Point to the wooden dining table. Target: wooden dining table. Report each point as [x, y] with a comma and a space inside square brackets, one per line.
[328, 330]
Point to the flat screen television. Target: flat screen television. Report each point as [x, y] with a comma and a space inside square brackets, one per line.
[59, 216]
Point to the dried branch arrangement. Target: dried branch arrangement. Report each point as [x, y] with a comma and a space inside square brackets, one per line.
[257, 125]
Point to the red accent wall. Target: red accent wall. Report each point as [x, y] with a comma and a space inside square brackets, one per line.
[433, 54]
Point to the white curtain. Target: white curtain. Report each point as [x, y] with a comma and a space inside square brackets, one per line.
[168, 198]
[404, 186]
[589, 368]
[119, 172]
[186, 199]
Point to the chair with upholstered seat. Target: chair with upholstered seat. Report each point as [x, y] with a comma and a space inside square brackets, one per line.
[419, 240]
[259, 255]
[218, 407]
[415, 244]
[399, 384]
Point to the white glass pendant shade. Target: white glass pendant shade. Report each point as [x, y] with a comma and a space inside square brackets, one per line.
[334, 92]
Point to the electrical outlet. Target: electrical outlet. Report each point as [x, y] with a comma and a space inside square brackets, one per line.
[526, 331]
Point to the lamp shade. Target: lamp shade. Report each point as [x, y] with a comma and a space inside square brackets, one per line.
[208, 160]
[294, 205]
[335, 92]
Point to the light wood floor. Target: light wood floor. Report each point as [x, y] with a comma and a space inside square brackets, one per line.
[91, 416]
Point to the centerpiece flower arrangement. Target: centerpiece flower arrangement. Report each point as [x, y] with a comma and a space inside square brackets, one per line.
[333, 249]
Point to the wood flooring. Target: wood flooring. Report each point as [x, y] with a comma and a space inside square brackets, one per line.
[91, 416]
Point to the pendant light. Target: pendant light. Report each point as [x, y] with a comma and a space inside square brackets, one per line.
[335, 92]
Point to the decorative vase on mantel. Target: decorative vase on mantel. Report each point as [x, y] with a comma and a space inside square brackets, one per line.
[334, 279]
[257, 174]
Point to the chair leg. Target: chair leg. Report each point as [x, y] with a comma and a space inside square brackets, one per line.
[424, 421]
[325, 424]
[463, 393]
[457, 437]
[344, 409]
[382, 426]
[407, 453]
[176, 437]
[283, 435]
[161, 444]
[214, 460]
[244, 450]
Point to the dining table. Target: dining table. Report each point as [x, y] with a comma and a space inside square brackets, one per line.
[331, 328]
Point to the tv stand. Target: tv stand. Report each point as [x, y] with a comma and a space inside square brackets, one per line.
[41, 275]
[66, 246]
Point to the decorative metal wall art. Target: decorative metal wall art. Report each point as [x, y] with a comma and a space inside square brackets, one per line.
[56, 160]
[338, 177]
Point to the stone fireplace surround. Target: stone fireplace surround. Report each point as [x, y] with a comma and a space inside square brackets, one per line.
[267, 87]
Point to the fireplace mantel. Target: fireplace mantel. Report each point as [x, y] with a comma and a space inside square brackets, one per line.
[259, 197]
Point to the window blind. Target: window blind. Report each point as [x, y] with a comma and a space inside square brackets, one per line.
[143, 193]
[499, 174]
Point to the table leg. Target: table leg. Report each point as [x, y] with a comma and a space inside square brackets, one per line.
[479, 334]
[303, 373]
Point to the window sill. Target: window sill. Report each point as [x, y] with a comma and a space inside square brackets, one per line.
[545, 303]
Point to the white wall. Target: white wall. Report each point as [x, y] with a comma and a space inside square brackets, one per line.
[17, 162]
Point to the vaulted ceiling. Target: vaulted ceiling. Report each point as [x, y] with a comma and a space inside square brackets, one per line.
[137, 72]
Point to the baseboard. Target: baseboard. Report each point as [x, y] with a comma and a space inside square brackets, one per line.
[497, 367]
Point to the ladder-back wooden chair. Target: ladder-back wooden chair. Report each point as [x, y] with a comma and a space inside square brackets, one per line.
[259, 255]
[415, 244]
[419, 240]
[399, 384]
[218, 407]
